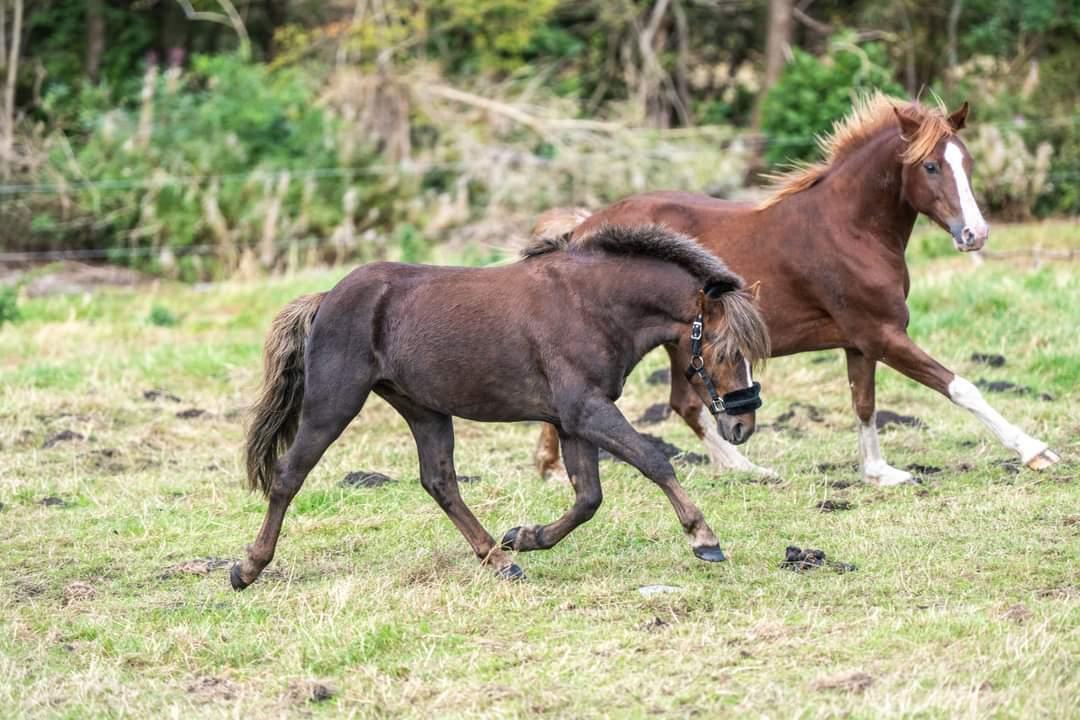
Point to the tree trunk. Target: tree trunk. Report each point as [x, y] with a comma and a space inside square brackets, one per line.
[7, 141]
[95, 38]
[777, 49]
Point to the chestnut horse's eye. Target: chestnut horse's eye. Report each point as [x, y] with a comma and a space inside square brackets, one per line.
[930, 166]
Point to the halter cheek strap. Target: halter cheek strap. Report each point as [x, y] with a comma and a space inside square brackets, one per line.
[735, 402]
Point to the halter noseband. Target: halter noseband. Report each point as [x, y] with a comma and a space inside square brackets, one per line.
[735, 402]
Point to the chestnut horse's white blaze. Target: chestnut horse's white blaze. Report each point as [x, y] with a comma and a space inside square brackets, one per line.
[1031, 450]
[974, 224]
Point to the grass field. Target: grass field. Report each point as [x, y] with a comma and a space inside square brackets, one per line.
[114, 597]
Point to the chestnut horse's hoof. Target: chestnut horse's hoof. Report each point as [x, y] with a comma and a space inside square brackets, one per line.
[511, 572]
[508, 540]
[710, 554]
[1044, 460]
[235, 580]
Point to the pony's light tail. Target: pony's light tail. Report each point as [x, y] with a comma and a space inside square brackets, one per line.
[276, 414]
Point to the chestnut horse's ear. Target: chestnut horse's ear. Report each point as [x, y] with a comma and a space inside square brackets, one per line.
[716, 288]
[959, 118]
[909, 125]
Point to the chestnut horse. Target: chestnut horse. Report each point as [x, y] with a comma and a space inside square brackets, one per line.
[550, 338]
[828, 251]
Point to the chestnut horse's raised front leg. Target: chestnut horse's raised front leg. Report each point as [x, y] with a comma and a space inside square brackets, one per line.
[601, 423]
[875, 470]
[582, 465]
[903, 355]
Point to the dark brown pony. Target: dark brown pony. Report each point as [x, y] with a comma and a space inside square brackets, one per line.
[551, 337]
[828, 251]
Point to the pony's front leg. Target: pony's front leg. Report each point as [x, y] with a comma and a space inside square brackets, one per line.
[875, 470]
[582, 465]
[905, 356]
[601, 423]
[686, 403]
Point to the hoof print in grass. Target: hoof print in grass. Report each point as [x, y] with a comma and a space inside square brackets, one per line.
[855, 682]
[659, 377]
[991, 359]
[52, 501]
[797, 560]
[159, 394]
[885, 418]
[654, 414]
[62, 436]
[833, 505]
[78, 591]
[365, 479]
[190, 413]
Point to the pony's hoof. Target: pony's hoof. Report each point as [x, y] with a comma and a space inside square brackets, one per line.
[235, 580]
[1044, 460]
[508, 540]
[710, 554]
[511, 573]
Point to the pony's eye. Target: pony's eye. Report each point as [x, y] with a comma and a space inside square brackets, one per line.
[930, 166]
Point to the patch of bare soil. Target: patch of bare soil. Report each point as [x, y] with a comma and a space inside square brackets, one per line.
[917, 469]
[659, 377]
[991, 359]
[365, 479]
[70, 277]
[797, 419]
[207, 689]
[833, 505]
[77, 592]
[198, 566]
[62, 436]
[1067, 521]
[1018, 613]
[52, 501]
[309, 691]
[654, 414]
[158, 394]
[1004, 386]
[26, 589]
[798, 560]
[191, 413]
[671, 452]
[856, 682]
[887, 418]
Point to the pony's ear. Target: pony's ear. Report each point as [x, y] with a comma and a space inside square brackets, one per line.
[716, 288]
[958, 120]
[909, 124]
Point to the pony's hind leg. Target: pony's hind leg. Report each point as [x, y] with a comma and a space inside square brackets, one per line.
[434, 435]
[328, 408]
[685, 402]
[582, 465]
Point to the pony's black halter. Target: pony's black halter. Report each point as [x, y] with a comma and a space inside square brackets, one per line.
[735, 402]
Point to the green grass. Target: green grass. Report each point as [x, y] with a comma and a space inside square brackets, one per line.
[966, 601]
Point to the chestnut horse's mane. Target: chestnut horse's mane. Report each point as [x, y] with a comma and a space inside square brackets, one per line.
[655, 241]
[871, 114]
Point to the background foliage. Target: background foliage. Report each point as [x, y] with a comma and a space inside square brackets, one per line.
[300, 130]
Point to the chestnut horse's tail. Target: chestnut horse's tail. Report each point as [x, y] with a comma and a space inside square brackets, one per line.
[276, 413]
[553, 229]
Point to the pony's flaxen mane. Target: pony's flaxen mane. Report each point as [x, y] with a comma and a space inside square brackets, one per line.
[740, 328]
[871, 115]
